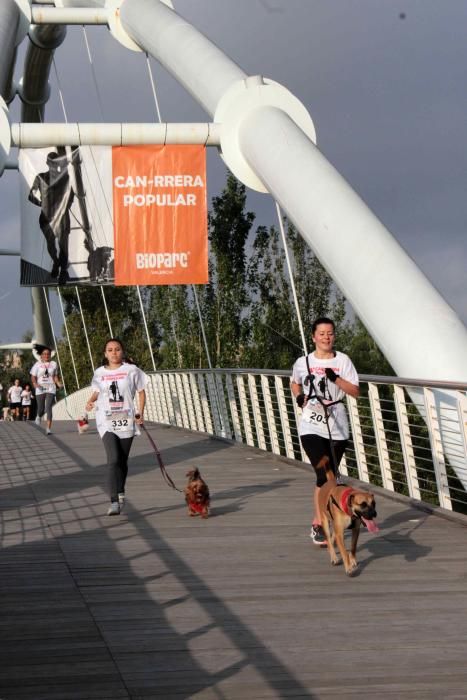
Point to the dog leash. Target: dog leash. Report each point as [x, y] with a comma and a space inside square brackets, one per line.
[168, 480]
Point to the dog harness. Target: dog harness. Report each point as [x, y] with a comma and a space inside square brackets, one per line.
[343, 505]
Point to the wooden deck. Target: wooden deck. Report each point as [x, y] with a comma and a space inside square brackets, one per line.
[153, 604]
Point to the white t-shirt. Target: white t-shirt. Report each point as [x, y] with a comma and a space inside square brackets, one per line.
[312, 420]
[26, 397]
[45, 373]
[115, 411]
[14, 394]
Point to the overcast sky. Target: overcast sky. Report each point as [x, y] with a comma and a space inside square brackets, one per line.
[384, 82]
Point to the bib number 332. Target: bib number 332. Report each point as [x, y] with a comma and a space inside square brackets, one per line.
[120, 421]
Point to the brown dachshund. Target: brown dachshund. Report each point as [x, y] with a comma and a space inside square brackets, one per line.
[197, 495]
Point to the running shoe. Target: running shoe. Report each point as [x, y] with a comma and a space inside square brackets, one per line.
[317, 535]
[48, 431]
[114, 508]
[38, 420]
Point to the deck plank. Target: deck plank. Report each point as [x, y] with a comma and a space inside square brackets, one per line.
[154, 604]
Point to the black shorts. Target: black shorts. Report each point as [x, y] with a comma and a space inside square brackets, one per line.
[14, 405]
[317, 447]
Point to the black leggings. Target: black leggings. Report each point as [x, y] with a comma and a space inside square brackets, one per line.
[44, 404]
[317, 447]
[117, 451]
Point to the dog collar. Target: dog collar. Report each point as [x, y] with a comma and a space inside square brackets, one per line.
[344, 503]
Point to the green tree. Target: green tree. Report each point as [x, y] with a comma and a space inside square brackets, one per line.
[229, 228]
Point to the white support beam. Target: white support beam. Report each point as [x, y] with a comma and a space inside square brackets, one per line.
[69, 15]
[113, 134]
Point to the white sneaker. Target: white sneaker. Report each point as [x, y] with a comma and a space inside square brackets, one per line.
[38, 420]
[114, 509]
[48, 431]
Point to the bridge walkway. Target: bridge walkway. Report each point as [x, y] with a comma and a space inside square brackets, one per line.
[154, 604]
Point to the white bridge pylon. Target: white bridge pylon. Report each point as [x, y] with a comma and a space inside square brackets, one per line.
[267, 140]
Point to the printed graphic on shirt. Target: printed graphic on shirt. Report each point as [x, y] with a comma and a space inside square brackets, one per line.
[317, 418]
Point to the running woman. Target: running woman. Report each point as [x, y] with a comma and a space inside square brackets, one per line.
[115, 385]
[26, 398]
[330, 375]
[45, 380]
[14, 398]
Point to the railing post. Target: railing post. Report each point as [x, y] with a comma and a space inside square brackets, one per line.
[182, 401]
[197, 403]
[406, 442]
[215, 407]
[281, 401]
[244, 411]
[437, 451]
[189, 402]
[257, 416]
[169, 399]
[358, 439]
[224, 414]
[271, 420]
[233, 409]
[205, 404]
[462, 412]
[380, 435]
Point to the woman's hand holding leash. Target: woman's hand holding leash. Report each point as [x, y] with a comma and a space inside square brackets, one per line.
[139, 419]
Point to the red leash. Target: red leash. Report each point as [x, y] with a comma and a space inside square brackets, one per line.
[166, 476]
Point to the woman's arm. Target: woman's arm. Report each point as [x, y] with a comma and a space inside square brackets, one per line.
[91, 401]
[141, 404]
[348, 387]
[296, 388]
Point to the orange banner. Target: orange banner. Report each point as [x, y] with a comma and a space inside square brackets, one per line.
[160, 215]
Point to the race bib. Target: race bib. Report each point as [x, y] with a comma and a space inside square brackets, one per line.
[120, 421]
[314, 412]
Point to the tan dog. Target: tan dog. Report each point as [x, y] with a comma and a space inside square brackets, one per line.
[341, 506]
[197, 494]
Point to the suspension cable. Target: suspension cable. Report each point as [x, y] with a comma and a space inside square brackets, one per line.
[206, 349]
[60, 92]
[68, 337]
[146, 327]
[153, 86]
[292, 282]
[93, 72]
[85, 330]
[106, 310]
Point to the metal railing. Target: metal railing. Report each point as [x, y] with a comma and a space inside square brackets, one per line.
[407, 436]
